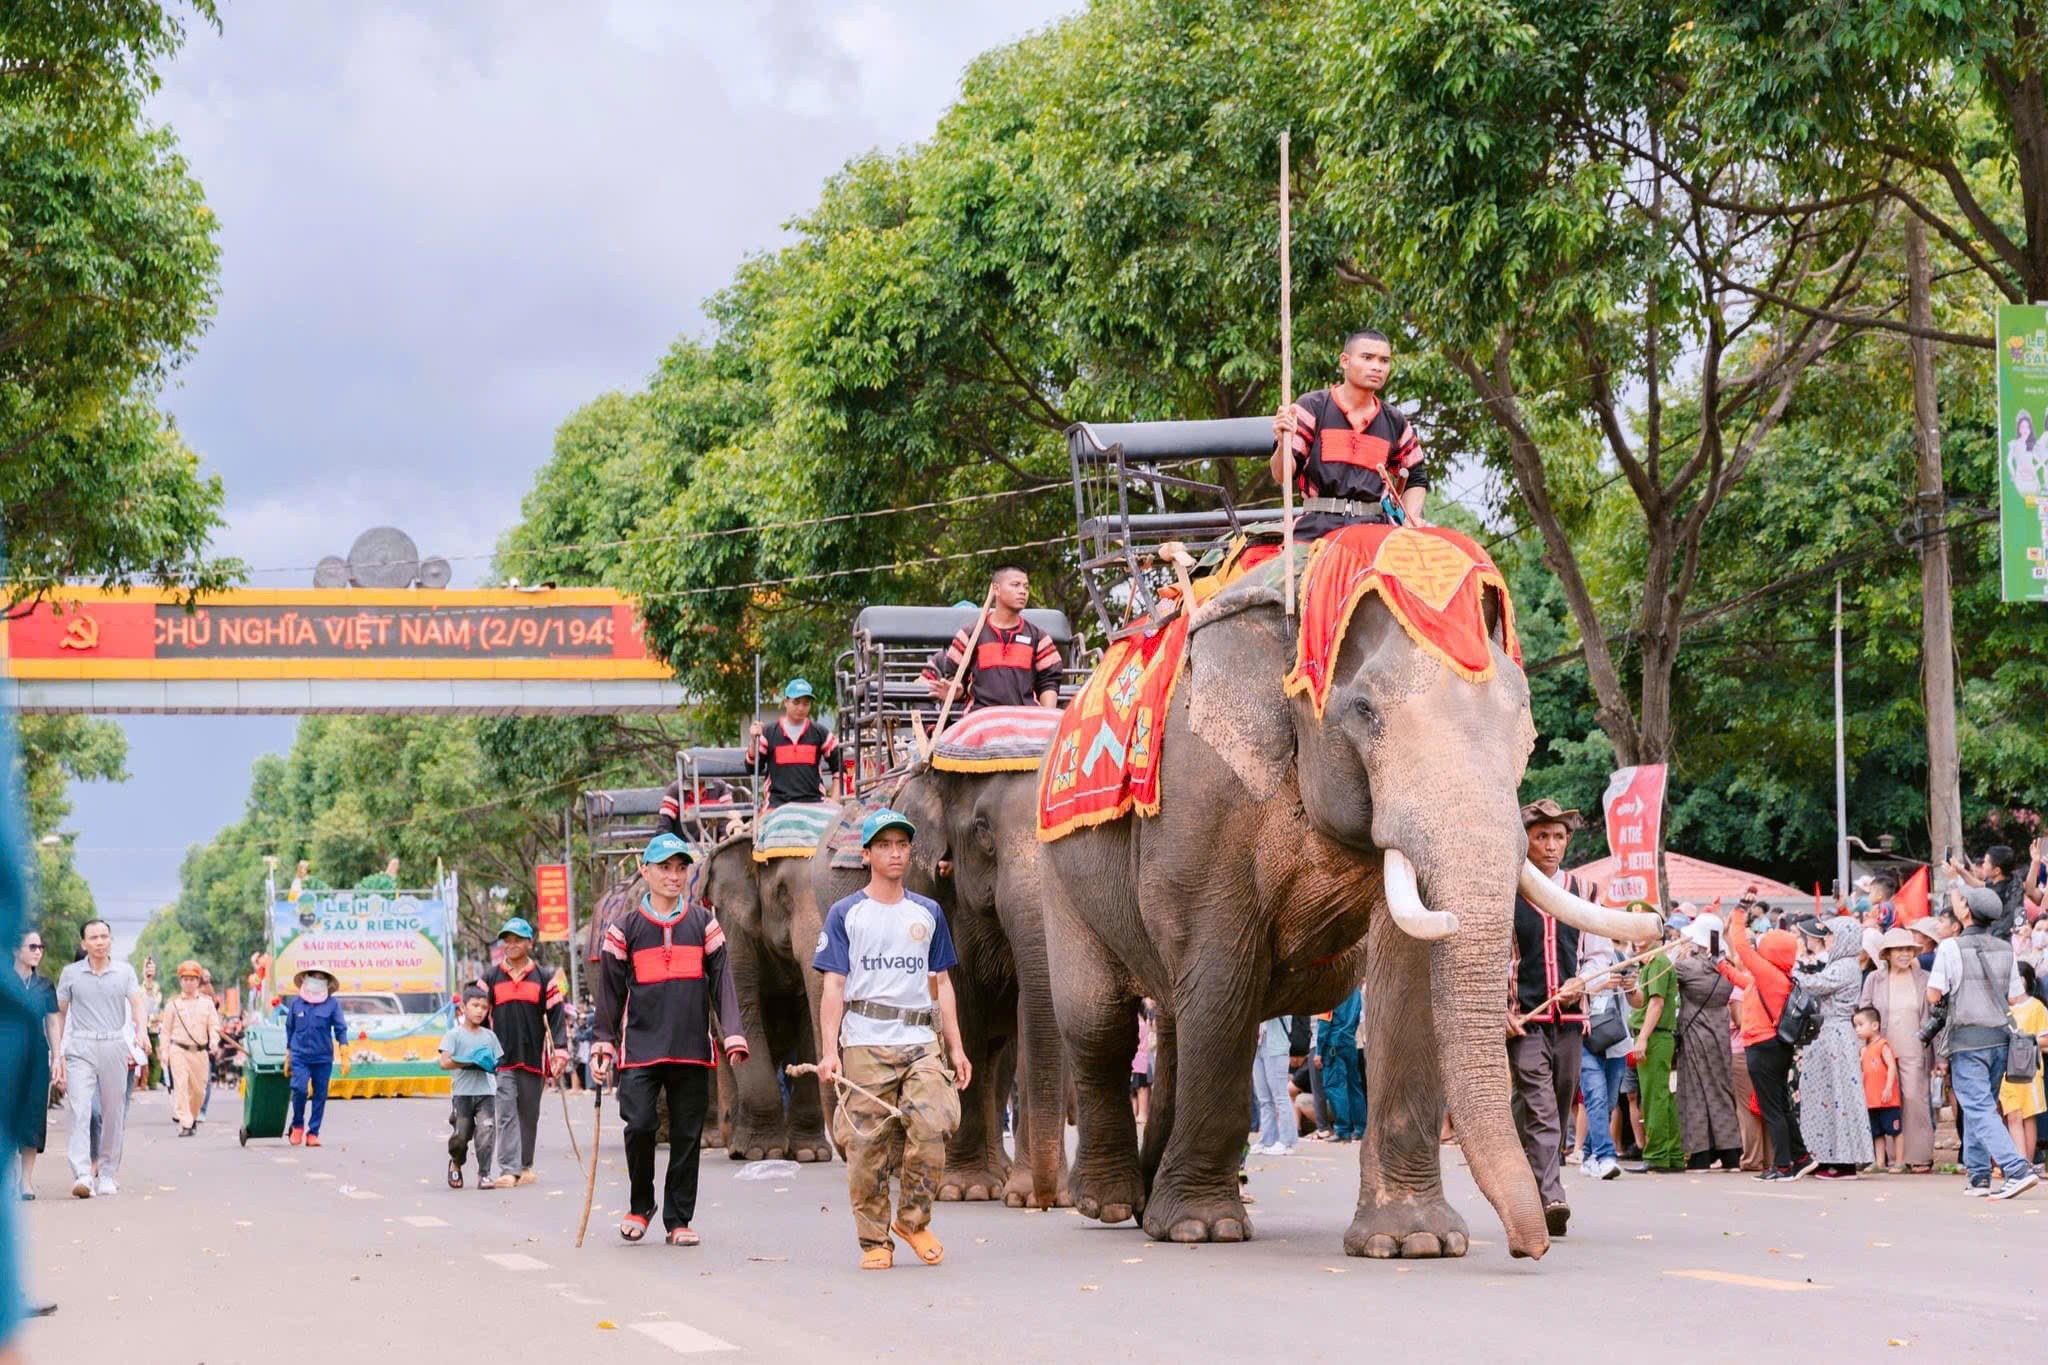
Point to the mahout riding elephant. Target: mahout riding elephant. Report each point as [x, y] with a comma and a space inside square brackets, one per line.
[1294, 854]
[774, 1011]
[990, 884]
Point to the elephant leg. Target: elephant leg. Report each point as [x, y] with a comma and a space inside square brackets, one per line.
[757, 1125]
[806, 1122]
[1099, 1027]
[1401, 1211]
[1194, 1195]
[977, 1166]
[1159, 1108]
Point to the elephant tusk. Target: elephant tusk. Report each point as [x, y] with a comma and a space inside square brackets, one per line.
[1405, 901]
[1626, 926]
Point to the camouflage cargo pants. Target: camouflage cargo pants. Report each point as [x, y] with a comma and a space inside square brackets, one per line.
[914, 1079]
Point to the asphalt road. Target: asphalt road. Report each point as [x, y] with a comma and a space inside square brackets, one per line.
[223, 1254]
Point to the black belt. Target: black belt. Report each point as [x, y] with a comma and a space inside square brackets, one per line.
[868, 1009]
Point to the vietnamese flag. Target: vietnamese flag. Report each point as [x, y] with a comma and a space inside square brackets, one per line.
[1911, 900]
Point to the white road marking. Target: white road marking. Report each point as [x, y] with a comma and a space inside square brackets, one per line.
[319, 1175]
[512, 1260]
[682, 1338]
[1776, 1194]
[424, 1220]
[1748, 1281]
[362, 1194]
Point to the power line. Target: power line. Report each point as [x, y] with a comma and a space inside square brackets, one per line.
[686, 537]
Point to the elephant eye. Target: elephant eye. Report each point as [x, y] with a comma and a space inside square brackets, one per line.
[984, 838]
[1362, 707]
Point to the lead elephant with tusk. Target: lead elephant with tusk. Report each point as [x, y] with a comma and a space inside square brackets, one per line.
[1365, 828]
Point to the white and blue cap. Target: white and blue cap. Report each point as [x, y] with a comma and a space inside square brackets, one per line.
[882, 819]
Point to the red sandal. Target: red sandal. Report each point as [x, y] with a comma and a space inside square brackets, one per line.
[634, 1227]
[683, 1237]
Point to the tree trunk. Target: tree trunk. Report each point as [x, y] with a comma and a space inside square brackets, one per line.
[1930, 508]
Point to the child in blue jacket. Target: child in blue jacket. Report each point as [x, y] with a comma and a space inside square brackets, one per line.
[312, 1026]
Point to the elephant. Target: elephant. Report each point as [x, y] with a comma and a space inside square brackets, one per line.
[1293, 855]
[992, 893]
[773, 1010]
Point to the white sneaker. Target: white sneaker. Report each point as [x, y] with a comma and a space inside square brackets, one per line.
[81, 1188]
[107, 1187]
[1610, 1169]
[1976, 1191]
[2017, 1186]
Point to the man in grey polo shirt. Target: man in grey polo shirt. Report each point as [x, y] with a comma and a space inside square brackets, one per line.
[100, 1030]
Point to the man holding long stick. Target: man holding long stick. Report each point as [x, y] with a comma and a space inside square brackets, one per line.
[1355, 458]
[1547, 1017]
[1007, 662]
[666, 981]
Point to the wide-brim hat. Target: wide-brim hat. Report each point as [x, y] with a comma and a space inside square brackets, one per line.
[1898, 936]
[299, 978]
[1548, 812]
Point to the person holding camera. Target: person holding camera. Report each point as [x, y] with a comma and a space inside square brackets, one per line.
[1764, 970]
[1834, 1121]
[1975, 975]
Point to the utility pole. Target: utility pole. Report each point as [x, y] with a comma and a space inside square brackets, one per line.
[1930, 516]
[1841, 764]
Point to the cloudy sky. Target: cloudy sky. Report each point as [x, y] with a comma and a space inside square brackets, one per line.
[447, 225]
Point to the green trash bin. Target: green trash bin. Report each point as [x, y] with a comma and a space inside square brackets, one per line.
[266, 1095]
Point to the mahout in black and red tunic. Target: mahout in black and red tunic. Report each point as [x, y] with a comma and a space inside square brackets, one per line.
[790, 758]
[1357, 454]
[1012, 666]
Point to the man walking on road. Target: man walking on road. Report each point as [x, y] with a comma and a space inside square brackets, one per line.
[1548, 1015]
[667, 981]
[100, 1034]
[526, 1014]
[880, 950]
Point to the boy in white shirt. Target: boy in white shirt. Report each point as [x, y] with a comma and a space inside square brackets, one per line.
[879, 951]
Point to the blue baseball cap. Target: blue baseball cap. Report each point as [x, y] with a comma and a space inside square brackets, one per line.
[516, 926]
[662, 847]
[794, 688]
[882, 819]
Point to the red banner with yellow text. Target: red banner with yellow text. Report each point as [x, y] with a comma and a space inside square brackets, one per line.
[551, 902]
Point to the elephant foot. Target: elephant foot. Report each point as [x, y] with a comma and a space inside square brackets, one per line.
[1017, 1191]
[1423, 1228]
[757, 1145]
[808, 1149]
[972, 1184]
[1110, 1197]
[1181, 1216]
[712, 1140]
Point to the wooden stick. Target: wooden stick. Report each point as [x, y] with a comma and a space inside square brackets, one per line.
[590, 1179]
[1643, 956]
[959, 673]
[1286, 372]
[563, 1091]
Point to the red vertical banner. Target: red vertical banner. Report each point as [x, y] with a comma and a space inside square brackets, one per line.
[1634, 804]
[551, 902]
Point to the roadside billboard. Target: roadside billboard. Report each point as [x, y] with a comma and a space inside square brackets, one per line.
[2023, 452]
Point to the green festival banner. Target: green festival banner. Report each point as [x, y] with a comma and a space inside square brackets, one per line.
[2023, 452]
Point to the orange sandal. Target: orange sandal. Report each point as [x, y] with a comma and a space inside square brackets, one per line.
[924, 1242]
[879, 1257]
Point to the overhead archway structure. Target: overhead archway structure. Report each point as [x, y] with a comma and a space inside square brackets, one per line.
[331, 651]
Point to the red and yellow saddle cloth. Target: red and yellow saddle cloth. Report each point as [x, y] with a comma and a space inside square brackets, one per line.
[1432, 579]
[1105, 756]
[996, 739]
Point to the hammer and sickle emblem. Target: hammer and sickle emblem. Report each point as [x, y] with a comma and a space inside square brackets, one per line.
[82, 633]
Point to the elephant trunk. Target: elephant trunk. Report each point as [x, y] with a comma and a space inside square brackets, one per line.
[1470, 988]
[1042, 1079]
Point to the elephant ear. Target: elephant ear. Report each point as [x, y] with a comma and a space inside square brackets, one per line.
[1239, 656]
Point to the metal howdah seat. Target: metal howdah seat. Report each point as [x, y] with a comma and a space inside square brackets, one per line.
[1120, 535]
[880, 680]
